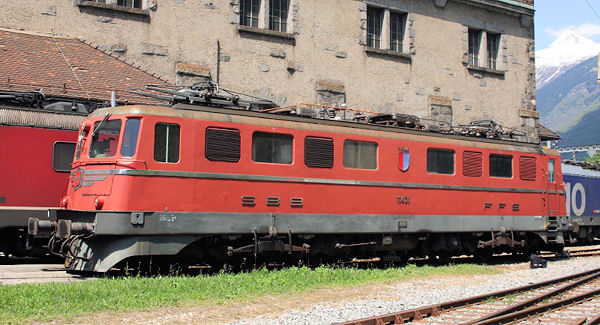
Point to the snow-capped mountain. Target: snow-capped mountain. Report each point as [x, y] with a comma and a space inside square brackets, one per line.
[568, 50]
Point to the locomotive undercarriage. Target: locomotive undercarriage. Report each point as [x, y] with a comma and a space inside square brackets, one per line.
[98, 242]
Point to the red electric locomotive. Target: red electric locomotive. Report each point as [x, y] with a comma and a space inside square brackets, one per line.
[36, 147]
[209, 185]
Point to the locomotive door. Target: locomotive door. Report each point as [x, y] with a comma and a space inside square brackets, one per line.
[551, 196]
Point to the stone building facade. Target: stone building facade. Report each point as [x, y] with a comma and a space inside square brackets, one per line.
[449, 60]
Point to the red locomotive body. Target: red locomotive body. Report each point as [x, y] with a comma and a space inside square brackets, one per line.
[36, 149]
[209, 185]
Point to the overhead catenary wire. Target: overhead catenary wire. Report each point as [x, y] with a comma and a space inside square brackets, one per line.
[71, 67]
[591, 7]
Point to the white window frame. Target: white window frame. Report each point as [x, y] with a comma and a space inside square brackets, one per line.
[143, 3]
[385, 35]
[264, 16]
[481, 56]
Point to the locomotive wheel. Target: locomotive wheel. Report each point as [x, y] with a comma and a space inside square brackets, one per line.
[442, 258]
[484, 255]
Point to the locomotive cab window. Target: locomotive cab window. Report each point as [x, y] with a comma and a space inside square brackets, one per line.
[360, 154]
[166, 142]
[318, 152]
[501, 166]
[130, 136]
[222, 145]
[62, 156]
[105, 138]
[440, 161]
[272, 148]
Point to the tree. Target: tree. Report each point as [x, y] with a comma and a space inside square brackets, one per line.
[594, 160]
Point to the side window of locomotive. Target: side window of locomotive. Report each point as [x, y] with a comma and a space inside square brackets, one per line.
[472, 164]
[105, 139]
[360, 154]
[501, 166]
[272, 148]
[527, 168]
[166, 142]
[551, 171]
[440, 161]
[318, 152]
[62, 156]
[130, 136]
[222, 145]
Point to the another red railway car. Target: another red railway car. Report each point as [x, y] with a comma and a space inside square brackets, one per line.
[36, 149]
[208, 185]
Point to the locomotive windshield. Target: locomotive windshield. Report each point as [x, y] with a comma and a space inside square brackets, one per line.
[105, 139]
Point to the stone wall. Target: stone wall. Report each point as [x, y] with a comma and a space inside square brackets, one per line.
[323, 57]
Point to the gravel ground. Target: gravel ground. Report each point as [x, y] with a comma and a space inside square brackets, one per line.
[422, 292]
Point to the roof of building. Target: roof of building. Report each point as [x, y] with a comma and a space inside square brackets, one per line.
[547, 134]
[68, 67]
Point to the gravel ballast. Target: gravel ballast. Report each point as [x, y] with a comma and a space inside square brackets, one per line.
[422, 292]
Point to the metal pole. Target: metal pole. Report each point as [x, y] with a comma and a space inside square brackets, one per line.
[218, 60]
[113, 99]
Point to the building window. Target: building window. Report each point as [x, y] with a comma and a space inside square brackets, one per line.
[501, 166]
[397, 28]
[440, 161]
[166, 142]
[318, 152]
[474, 46]
[360, 154]
[386, 29]
[62, 156]
[493, 43]
[374, 24]
[222, 145]
[130, 3]
[249, 12]
[265, 14]
[278, 15]
[272, 148]
[484, 49]
[130, 136]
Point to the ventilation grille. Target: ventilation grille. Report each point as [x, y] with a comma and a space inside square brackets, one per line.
[40, 119]
[527, 168]
[222, 145]
[318, 152]
[472, 164]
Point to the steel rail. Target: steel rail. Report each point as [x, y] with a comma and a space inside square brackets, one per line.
[539, 309]
[435, 310]
[593, 321]
[515, 309]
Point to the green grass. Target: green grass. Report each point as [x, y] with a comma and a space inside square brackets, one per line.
[48, 301]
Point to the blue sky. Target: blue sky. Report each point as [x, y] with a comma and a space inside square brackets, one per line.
[554, 16]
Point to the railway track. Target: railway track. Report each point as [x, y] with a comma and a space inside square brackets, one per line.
[573, 299]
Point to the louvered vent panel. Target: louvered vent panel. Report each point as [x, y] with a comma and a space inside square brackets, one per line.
[527, 168]
[40, 119]
[318, 152]
[472, 164]
[222, 145]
